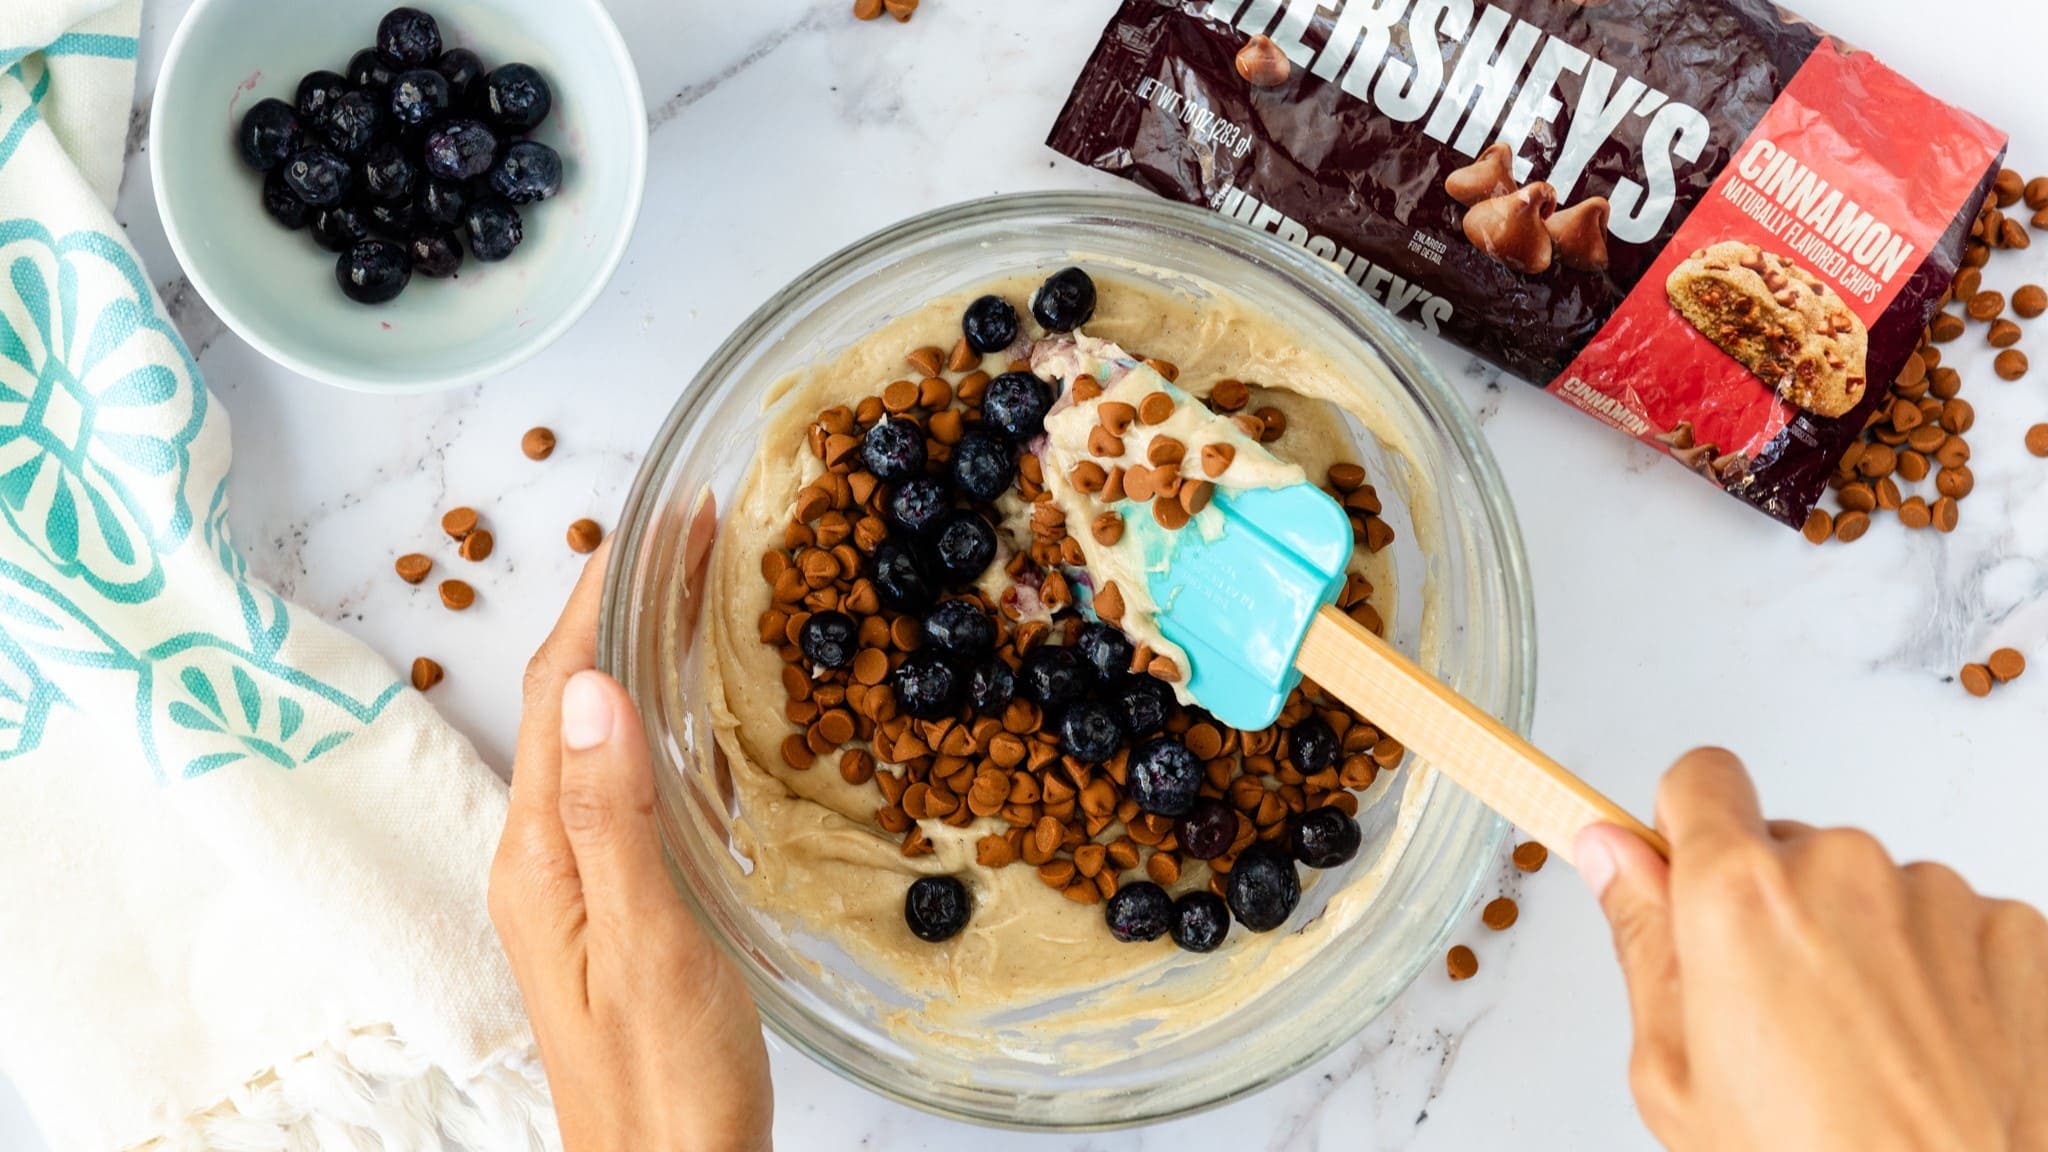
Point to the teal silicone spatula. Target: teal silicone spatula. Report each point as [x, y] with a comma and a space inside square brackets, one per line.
[1252, 606]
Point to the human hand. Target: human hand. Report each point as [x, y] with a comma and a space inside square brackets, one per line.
[1794, 988]
[648, 1034]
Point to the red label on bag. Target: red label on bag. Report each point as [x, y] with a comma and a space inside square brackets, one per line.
[1758, 313]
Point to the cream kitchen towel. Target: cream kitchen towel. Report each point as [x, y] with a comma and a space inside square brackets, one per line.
[243, 866]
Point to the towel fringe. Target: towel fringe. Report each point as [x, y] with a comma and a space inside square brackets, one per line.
[369, 1092]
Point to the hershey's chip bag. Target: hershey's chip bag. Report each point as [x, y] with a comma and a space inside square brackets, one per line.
[1703, 222]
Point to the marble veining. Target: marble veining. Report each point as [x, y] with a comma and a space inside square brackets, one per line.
[1667, 615]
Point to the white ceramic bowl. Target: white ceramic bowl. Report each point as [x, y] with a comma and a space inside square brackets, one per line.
[276, 289]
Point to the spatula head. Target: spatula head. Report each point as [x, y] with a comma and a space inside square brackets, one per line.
[1238, 589]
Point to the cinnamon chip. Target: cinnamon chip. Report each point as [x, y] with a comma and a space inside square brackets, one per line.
[1165, 450]
[1170, 514]
[477, 545]
[1230, 395]
[1104, 443]
[1500, 915]
[1138, 484]
[425, 673]
[927, 361]
[537, 444]
[457, 595]
[1530, 856]
[1273, 424]
[1088, 476]
[1461, 963]
[1109, 602]
[1216, 459]
[584, 537]
[1163, 668]
[963, 357]
[1107, 529]
[459, 522]
[1155, 408]
[2006, 665]
[1116, 416]
[1977, 680]
[1195, 495]
[1253, 427]
[1346, 477]
[413, 567]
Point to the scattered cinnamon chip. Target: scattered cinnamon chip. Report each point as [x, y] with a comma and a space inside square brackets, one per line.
[538, 443]
[425, 673]
[867, 9]
[459, 522]
[1461, 963]
[1107, 529]
[413, 567]
[457, 595]
[2006, 665]
[1109, 602]
[1500, 915]
[900, 10]
[1169, 514]
[1230, 395]
[585, 536]
[1530, 856]
[477, 545]
[1195, 495]
[1155, 408]
[1977, 680]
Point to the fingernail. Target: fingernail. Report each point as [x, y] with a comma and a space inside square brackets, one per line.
[586, 712]
[1595, 860]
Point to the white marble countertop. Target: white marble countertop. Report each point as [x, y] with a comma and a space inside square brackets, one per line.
[1668, 615]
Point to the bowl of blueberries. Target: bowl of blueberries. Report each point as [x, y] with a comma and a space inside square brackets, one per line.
[399, 199]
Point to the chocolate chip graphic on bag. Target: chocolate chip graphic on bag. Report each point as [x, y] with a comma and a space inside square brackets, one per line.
[1512, 228]
[1262, 64]
[1493, 174]
[1580, 235]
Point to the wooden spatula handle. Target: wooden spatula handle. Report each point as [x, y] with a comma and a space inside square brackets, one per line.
[1535, 793]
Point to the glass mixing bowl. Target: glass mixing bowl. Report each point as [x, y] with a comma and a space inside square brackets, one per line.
[1463, 609]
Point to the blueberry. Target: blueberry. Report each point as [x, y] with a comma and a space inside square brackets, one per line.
[964, 547]
[463, 70]
[318, 177]
[1200, 921]
[917, 505]
[517, 98]
[436, 254]
[1089, 732]
[269, 135]
[278, 200]
[1051, 677]
[419, 96]
[990, 325]
[1106, 652]
[366, 69]
[373, 271]
[1065, 301]
[319, 92]
[387, 174]
[353, 124]
[990, 687]
[1165, 778]
[460, 150]
[341, 227]
[1209, 830]
[893, 450]
[1312, 746]
[408, 37]
[528, 171]
[1142, 706]
[1139, 912]
[936, 908]
[392, 218]
[960, 628]
[1326, 838]
[1263, 888]
[829, 638]
[900, 577]
[926, 684]
[494, 230]
[983, 466]
[1015, 405]
[441, 203]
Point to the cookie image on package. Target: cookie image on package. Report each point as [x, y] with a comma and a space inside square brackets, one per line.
[1779, 321]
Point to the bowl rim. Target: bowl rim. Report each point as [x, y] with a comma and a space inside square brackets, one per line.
[1459, 426]
[538, 339]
